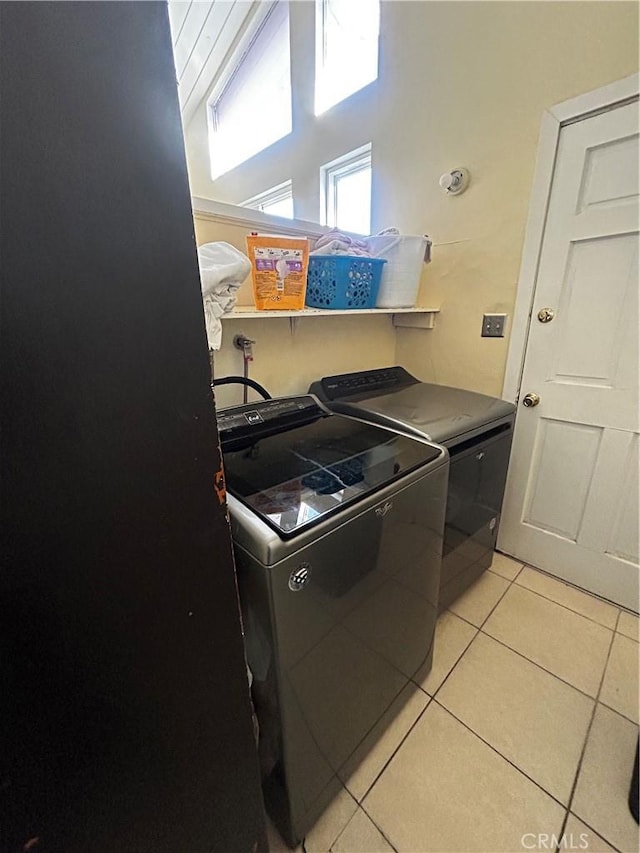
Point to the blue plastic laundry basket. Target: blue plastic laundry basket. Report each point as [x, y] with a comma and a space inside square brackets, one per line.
[343, 281]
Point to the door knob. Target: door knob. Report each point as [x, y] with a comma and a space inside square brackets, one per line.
[530, 400]
[546, 315]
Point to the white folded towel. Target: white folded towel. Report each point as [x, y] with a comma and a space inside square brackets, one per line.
[223, 268]
[336, 242]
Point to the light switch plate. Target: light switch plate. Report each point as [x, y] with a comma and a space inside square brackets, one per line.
[493, 325]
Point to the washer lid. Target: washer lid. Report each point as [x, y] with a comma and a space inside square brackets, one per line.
[392, 396]
[294, 474]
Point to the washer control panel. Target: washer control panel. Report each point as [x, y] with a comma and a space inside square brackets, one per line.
[243, 420]
[366, 382]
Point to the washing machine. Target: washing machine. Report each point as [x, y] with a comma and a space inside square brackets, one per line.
[476, 429]
[337, 528]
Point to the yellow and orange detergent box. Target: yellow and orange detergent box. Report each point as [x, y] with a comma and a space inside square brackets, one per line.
[279, 271]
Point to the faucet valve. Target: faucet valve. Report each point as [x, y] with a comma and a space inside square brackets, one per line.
[245, 345]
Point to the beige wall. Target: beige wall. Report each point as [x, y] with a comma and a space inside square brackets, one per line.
[482, 103]
[288, 357]
[461, 84]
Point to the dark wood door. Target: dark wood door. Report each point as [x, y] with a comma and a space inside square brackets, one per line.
[125, 715]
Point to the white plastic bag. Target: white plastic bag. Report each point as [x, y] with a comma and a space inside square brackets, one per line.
[223, 268]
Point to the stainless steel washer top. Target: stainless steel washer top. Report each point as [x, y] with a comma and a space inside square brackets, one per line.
[338, 532]
[292, 465]
[391, 396]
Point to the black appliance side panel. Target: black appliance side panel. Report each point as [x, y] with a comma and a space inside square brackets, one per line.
[477, 479]
[125, 721]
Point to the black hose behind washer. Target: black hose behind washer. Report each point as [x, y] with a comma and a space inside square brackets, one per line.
[242, 380]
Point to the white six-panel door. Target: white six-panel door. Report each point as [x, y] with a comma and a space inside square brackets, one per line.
[571, 505]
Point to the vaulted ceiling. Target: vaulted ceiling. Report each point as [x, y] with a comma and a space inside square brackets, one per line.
[204, 33]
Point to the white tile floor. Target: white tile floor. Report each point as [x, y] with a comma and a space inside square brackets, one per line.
[525, 728]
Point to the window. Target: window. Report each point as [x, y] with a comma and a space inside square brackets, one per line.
[252, 110]
[345, 191]
[278, 201]
[346, 49]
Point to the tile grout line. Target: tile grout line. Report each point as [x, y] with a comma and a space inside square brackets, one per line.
[341, 768]
[409, 680]
[504, 592]
[478, 630]
[453, 666]
[344, 829]
[504, 578]
[535, 663]
[629, 613]
[448, 675]
[613, 632]
[430, 698]
[635, 640]
[618, 608]
[468, 646]
[593, 595]
[463, 619]
[504, 757]
[380, 830]
[566, 607]
[588, 825]
[586, 740]
[348, 792]
[518, 562]
[570, 609]
[595, 699]
[393, 754]
[618, 712]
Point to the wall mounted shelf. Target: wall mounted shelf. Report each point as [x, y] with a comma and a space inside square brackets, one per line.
[413, 318]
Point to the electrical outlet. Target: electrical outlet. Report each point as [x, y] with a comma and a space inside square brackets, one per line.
[493, 325]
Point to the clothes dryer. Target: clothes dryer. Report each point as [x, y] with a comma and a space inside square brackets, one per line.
[476, 429]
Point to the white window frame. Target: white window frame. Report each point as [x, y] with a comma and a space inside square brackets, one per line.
[281, 192]
[243, 43]
[355, 161]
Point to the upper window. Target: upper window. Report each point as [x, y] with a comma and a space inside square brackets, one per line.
[345, 189]
[252, 109]
[277, 201]
[346, 49]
